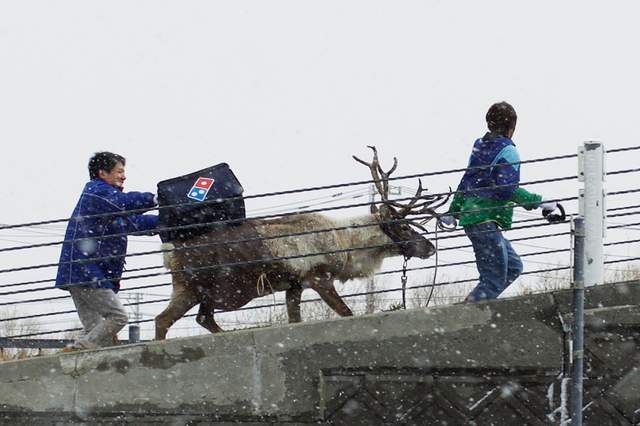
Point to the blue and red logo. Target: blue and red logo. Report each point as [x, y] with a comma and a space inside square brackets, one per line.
[200, 189]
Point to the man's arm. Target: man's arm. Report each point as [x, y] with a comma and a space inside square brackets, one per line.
[125, 200]
[134, 200]
[142, 222]
[526, 199]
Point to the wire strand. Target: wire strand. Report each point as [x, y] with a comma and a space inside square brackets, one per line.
[347, 296]
[238, 221]
[295, 191]
[248, 262]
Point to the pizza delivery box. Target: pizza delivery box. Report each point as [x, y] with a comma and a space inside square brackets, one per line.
[193, 203]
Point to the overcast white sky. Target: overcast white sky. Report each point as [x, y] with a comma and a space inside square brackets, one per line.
[287, 91]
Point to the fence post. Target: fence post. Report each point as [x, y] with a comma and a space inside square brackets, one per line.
[134, 329]
[592, 174]
[589, 231]
[578, 323]
[134, 333]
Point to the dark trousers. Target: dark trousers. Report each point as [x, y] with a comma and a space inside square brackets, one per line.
[497, 262]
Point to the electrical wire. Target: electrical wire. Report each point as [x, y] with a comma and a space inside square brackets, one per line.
[223, 242]
[294, 191]
[347, 296]
[615, 225]
[241, 263]
[561, 268]
[216, 243]
[272, 216]
[625, 149]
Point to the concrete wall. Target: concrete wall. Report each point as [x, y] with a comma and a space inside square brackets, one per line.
[490, 363]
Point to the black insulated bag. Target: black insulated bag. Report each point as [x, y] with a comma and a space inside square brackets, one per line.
[203, 197]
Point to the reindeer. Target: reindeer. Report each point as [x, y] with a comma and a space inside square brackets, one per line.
[248, 248]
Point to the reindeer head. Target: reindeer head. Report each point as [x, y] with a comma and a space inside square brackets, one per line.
[394, 216]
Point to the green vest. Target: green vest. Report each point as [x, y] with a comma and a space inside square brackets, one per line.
[471, 210]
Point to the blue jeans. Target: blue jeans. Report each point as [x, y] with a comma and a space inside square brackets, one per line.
[498, 264]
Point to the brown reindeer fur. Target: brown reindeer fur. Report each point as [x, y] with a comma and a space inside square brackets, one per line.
[231, 287]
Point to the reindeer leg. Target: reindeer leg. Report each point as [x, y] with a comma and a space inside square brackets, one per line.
[328, 293]
[205, 318]
[182, 299]
[294, 295]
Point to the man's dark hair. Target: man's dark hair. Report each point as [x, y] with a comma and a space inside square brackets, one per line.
[104, 161]
[501, 118]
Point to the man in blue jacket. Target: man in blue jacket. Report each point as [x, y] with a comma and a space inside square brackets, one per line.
[484, 202]
[93, 254]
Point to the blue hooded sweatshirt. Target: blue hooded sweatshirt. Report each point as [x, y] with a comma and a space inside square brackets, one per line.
[490, 186]
[83, 259]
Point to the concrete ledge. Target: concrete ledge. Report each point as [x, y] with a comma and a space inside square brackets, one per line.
[275, 374]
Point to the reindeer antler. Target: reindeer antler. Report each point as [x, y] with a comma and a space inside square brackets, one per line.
[380, 178]
[420, 203]
[432, 209]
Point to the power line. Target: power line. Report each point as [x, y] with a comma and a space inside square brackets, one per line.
[306, 301]
[356, 205]
[625, 149]
[561, 268]
[294, 191]
[287, 235]
[273, 216]
[244, 263]
[618, 225]
[223, 242]
[377, 274]
[224, 265]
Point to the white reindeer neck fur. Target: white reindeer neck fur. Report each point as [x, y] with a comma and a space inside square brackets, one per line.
[364, 263]
[362, 230]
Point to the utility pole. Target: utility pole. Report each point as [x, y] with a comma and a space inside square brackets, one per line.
[578, 324]
[592, 203]
[589, 260]
[370, 302]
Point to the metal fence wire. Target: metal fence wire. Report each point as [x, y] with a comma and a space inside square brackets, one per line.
[536, 229]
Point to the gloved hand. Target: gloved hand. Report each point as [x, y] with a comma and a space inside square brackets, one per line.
[548, 207]
[448, 220]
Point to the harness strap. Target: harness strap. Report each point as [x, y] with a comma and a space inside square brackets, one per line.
[403, 279]
[260, 290]
[260, 284]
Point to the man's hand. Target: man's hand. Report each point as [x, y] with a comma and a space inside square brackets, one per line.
[448, 220]
[548, 207]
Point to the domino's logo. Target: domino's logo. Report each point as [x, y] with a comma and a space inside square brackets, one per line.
[200, 189]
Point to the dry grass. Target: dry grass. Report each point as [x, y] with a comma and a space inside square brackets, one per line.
[439, 295]
[548, 281]
[17, 327]
[622, 273]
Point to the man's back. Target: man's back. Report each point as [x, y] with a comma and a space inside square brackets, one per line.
[490, 165]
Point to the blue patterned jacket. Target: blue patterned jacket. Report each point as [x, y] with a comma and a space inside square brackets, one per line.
[90, 257]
